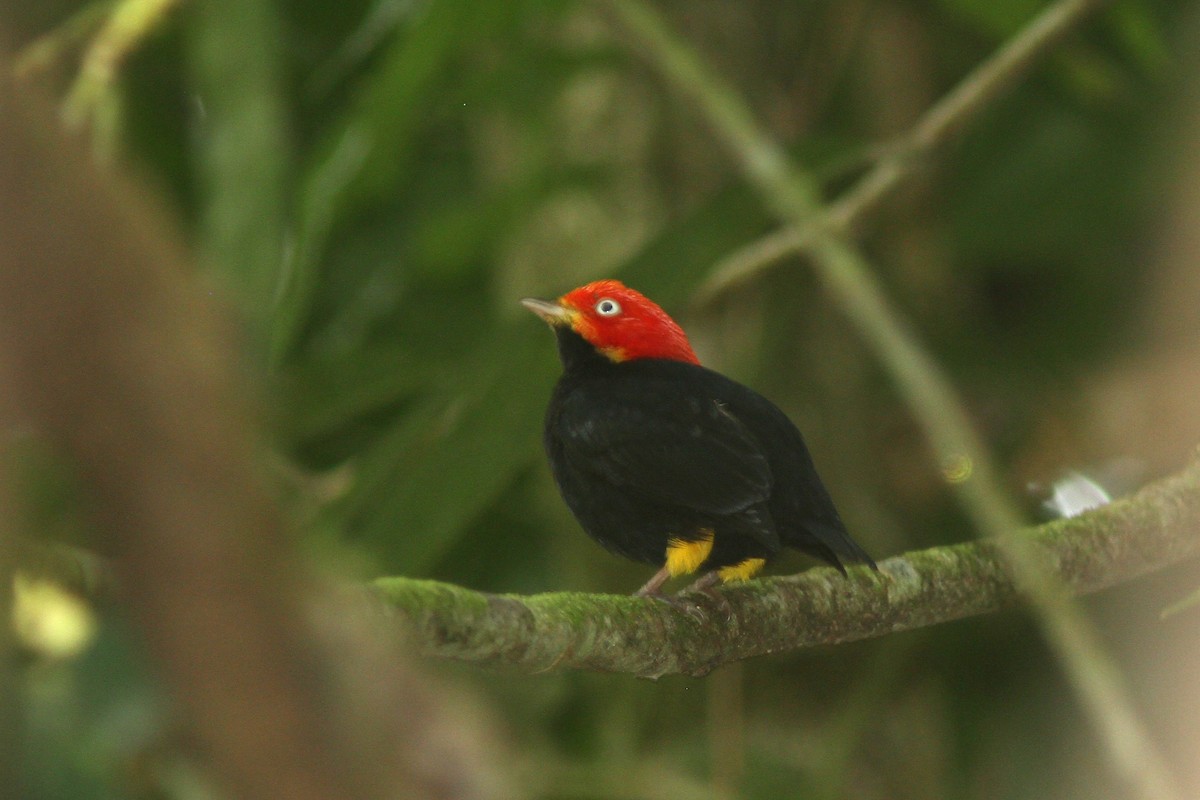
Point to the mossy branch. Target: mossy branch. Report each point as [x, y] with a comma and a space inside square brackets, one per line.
[1148, 531]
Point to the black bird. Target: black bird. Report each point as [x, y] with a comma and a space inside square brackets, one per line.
[667, 462]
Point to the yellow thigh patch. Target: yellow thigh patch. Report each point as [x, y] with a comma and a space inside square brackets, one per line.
[684, 557]
[741, 571]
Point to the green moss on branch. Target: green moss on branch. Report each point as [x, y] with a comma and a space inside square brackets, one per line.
[1153, 529]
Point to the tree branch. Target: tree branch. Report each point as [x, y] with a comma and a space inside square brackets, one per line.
[904, 157]
[1148, 531]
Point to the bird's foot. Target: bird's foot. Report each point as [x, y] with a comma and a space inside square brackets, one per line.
[684, 605]
[707, 585]
[685, 601]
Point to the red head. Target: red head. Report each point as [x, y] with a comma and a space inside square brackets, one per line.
[619, 322]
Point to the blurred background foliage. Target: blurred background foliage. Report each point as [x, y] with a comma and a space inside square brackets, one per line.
[374, 185]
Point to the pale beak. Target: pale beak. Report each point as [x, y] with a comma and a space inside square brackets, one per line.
[548, 310]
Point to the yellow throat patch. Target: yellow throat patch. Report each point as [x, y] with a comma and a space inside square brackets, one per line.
[685, 557]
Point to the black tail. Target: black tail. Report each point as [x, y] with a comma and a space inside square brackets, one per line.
[834, 545]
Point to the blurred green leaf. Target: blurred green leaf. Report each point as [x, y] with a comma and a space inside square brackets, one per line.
[242, 147]
[1142, 35]
[445, 462]
[367, 151]
[1185, 604]
[994, 19]
[329, 396]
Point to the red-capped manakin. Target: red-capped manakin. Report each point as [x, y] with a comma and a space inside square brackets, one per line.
[667, 462]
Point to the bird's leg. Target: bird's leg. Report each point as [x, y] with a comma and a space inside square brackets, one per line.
[653, 587]
[705, 582]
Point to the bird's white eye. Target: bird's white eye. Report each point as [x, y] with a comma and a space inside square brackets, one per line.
[608, 307]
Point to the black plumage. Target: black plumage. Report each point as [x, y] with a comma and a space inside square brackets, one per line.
[651, 450]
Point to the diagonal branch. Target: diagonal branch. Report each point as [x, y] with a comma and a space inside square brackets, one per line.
[905, 156]
[1148, 531]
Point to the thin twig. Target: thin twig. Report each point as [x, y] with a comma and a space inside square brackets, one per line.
[127, 26]
[790, 193]
[1113, 545]
[904, 157]
[48, 50]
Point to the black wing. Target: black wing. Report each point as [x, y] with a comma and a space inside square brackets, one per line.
[665, 444]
